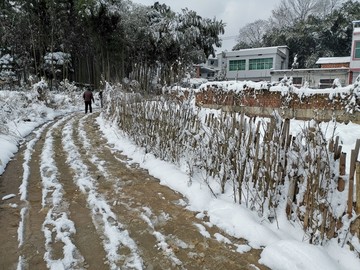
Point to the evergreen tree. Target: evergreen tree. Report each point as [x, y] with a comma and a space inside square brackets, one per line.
[112, 39]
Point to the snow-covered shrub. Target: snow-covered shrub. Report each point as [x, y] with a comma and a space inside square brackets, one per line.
[7, 74]
[286, 81]
[66, 86]
[68, 94]
[133, 85]
[56, 64]
[336, 83]
[352, 102]
[41, 89]
[16, 107]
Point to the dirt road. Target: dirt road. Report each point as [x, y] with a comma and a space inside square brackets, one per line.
[70, 201]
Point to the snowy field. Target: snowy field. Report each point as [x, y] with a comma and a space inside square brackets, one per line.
[284, 243]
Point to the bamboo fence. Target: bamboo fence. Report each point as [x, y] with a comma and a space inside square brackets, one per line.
[267, 169]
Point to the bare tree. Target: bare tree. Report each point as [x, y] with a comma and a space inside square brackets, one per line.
[290, 11]
[251, 35]
[327, 7]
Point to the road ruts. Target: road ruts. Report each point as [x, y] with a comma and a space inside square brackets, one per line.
[87, 207]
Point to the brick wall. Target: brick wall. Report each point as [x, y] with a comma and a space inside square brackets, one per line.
[338, 65]
[265, 98]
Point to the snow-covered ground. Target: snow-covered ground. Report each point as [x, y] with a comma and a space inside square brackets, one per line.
[284, 244]
[22, 112]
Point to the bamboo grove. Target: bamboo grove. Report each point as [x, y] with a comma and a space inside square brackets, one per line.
[86, 41]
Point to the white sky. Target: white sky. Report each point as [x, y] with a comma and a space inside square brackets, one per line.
[235, 13]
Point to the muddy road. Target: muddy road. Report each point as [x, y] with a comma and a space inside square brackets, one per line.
[70, 201]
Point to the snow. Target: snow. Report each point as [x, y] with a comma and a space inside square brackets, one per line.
[290, 254]
[5, 60]
[283, 243]
[20, 114]
[236, 220]
[162, 244]
[9, 196]
[57, 224]
[113, 234]
[333, 60]
[57, 58]
[235, 86]
[238, 86]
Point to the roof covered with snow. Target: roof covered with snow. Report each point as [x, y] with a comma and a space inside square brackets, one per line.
[262, 50]
[333, 60]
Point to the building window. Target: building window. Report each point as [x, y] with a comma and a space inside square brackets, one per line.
[357, 49]
[326, 83]
[213, 62]
[237, 65]
[262, 63]
[297, 80]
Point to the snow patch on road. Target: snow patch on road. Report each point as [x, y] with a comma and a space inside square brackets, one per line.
[24, 185]
[202, 230]
[146, 215]
[57, 226]
[7, 197]
[103, 218]
[87, 145]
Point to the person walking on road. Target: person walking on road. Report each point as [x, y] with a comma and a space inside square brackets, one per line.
[88, 98]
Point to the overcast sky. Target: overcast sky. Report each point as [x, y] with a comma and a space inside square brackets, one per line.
[235, 13]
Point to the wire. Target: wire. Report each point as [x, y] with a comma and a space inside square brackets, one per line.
[229, 37]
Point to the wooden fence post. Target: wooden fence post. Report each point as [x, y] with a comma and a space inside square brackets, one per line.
[351, 184]
[342, 170]
[357, 188]
[353, 158]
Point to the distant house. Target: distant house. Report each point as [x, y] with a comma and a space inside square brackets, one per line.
[248, 64]
[208, 71]
[330, 68]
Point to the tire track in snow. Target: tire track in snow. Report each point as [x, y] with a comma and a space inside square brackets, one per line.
[57, 226]
[100, 164]
[114, 236]
[23, 189]
[94, 159]
[161, 238]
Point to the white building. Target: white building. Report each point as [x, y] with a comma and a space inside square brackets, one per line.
[355, 53]
[330, 68]
[248, 64]
[253, 64]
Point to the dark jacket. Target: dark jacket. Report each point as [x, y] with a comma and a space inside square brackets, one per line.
[88, 96]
